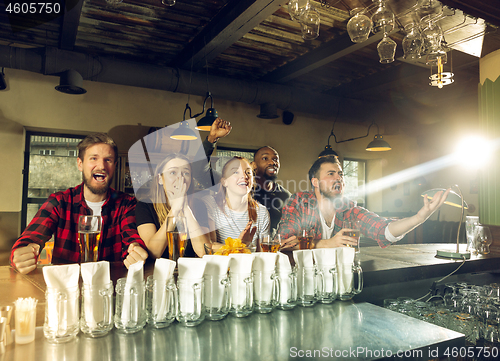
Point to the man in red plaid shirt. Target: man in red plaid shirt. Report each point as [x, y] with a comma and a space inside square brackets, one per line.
[323, 211]
[58, 216]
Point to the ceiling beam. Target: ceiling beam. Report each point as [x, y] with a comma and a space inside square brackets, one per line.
[69, 26]
[233, 21]
[324, 54]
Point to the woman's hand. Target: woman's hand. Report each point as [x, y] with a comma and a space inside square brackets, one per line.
[246, 236]
[177, 195]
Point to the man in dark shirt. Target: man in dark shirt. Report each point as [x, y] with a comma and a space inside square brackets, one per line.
[58, 216]
[266, 165]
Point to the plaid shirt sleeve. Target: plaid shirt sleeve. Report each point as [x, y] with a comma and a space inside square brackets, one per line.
[300, 212]
[41, 227]
[372, 225]
[128, 228]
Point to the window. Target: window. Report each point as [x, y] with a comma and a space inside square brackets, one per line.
[355, 178]
[46, 152]
[47, 169]
[225, 153]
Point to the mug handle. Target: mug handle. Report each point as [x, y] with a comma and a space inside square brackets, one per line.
[276, 288]
[107, 308]
[62, 307]
[335, 287]
[249, 291]
[319, 279]
[225, 297]
[173, 298]
[197, 301]
[293, 286]
[357, 269]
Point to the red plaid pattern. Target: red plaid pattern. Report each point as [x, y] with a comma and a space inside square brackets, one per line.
[58, 216]
[301, 211]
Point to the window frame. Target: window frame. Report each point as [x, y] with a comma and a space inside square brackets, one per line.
[25, 198]
[365, 162]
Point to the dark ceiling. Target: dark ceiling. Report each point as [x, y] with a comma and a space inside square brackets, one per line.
[256, 40]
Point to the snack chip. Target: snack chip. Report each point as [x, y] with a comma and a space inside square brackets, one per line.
[233, 245]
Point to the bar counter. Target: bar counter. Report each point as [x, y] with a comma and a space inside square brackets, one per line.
[325, 330]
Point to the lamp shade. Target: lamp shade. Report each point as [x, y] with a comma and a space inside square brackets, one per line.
[71, 82]
[378, 144]
[328, 151]
[453, 198]
[183, 132]
[205, 123]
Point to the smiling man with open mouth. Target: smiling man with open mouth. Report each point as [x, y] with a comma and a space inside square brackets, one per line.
[58, 216]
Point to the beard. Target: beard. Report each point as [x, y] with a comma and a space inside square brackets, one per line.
[102, 189]
[269, 177]
[328, 193]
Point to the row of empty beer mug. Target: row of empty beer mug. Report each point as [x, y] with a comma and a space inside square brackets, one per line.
[191, 300]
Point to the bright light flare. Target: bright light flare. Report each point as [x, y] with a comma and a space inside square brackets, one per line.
[474, 151]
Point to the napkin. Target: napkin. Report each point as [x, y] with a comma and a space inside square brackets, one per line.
[240, 267]
[191, 268]
[61, 279]
[216, 265]
[264, 262]
[263, 267]
[326, 259]
[283, 263]
[190, 271]
[305, 272]
[345, 261]
[135, 278]
[303, 258]
[162, 274]
[241, 263]
[95, 275]
[216, 268]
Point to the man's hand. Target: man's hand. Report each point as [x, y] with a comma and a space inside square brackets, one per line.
[135, 254]
[339, 240]
[25, 258]
[430, 206]
[247, 234]
[289, 243]
[220, 128]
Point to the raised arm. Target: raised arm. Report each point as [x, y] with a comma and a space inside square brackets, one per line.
[405, 225]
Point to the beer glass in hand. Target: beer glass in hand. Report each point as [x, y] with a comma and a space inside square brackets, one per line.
[89, 235]
[305, 238]
[354, 231]
[176, 237]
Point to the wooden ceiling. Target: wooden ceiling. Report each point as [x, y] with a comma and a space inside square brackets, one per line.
[257, 40]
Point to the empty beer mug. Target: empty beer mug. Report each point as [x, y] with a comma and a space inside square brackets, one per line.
[266, 291]
[62, 314]
[130, 306]
[97, 309]
[216, 300]
[288, 290]
[241, 294]
[190, 304]
[346, 276]
[307, 286]
[161, 302]
[327, 286]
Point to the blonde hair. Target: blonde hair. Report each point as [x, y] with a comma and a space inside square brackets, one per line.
[221, 196]
[157, 192]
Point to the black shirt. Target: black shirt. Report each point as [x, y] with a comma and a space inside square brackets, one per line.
[145, 213]
[273, 201]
